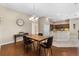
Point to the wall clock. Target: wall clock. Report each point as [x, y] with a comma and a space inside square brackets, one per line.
[20, 22]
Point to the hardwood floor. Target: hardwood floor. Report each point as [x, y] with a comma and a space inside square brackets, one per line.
[18, 50]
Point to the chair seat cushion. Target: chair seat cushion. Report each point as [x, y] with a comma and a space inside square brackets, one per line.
[44, 45]
[28, 42]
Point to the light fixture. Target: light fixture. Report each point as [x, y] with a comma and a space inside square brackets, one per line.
[33, 18]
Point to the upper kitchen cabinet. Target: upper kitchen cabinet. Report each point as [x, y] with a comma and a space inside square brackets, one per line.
[60, 26]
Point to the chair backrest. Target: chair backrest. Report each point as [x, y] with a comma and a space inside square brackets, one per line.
[41, 34]
[49, 41]
[25, 39]
[26, 33]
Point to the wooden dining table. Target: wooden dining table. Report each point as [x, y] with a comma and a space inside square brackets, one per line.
[38, 38]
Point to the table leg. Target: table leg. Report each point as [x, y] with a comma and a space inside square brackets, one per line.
[15, 39]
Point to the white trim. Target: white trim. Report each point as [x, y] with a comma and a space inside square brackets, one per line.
[8, 43]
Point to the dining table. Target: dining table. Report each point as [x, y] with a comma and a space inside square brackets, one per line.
[38, 38]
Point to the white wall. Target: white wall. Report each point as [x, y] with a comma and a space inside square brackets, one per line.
[8, 25]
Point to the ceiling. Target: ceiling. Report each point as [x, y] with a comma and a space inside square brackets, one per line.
[55, 11]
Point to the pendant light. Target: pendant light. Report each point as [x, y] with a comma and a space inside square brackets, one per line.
[33, 18]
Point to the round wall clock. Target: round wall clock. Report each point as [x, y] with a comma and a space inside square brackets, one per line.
[20, 22]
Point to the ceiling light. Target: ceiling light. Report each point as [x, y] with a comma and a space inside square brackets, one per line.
[33, 18]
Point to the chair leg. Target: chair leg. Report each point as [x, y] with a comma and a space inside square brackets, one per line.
[51, 50]
[48, 51]
[40, 49]
[44, 51]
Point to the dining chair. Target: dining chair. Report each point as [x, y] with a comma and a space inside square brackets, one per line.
[27, 41]
[26, 33]
[47, 45]
[41, 34]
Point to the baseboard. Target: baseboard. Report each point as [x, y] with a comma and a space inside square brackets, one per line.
[9, 42]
